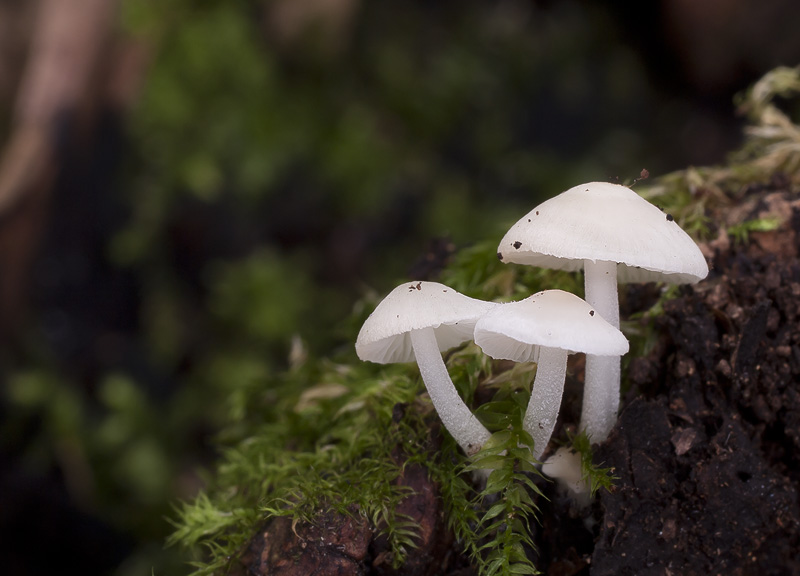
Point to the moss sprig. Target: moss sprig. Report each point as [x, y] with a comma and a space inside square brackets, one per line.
[741, 231]
[502, 537]
[593, 476]
[503, 534]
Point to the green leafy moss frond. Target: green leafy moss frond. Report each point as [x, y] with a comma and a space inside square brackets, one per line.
[595, 477]
[503, 533]
[741, 232]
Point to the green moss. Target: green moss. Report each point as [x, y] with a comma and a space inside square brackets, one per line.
[502, 534]
[322, 440]
[477, 272]
[741, 232]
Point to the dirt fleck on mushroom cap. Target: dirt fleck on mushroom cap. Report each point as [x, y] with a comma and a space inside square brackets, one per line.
[413, 306]
[600, 221]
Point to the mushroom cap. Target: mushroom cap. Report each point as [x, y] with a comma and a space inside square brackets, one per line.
[413, 306]
[551, 318]
[600, 221]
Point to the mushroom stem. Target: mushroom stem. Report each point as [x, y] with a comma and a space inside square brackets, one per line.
[548, 386]
[601, 289]
[602, 382]
[456, 416]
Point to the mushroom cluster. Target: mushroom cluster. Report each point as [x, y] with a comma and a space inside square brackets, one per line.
[607, 230]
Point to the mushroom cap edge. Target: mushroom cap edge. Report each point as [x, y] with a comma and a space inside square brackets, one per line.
[601, 221]
[416, 305]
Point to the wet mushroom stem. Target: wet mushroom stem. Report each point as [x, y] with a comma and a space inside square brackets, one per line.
[548, 386]
[603, 374]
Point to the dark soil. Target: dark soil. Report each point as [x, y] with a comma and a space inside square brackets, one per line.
[706, 450]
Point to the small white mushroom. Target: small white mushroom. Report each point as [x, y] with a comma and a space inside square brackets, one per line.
[417, 321]
[552, 323]
[614, 235]
[565, 467]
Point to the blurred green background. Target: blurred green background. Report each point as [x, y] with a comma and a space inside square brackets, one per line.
[273, 163]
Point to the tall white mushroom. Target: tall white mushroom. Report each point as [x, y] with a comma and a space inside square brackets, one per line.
[552, 323]
[417, 321]
[614, 235]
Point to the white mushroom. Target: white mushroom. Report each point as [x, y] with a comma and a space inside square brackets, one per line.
[417, 321]
[553, 324]
[565, 467]
[614, 235]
